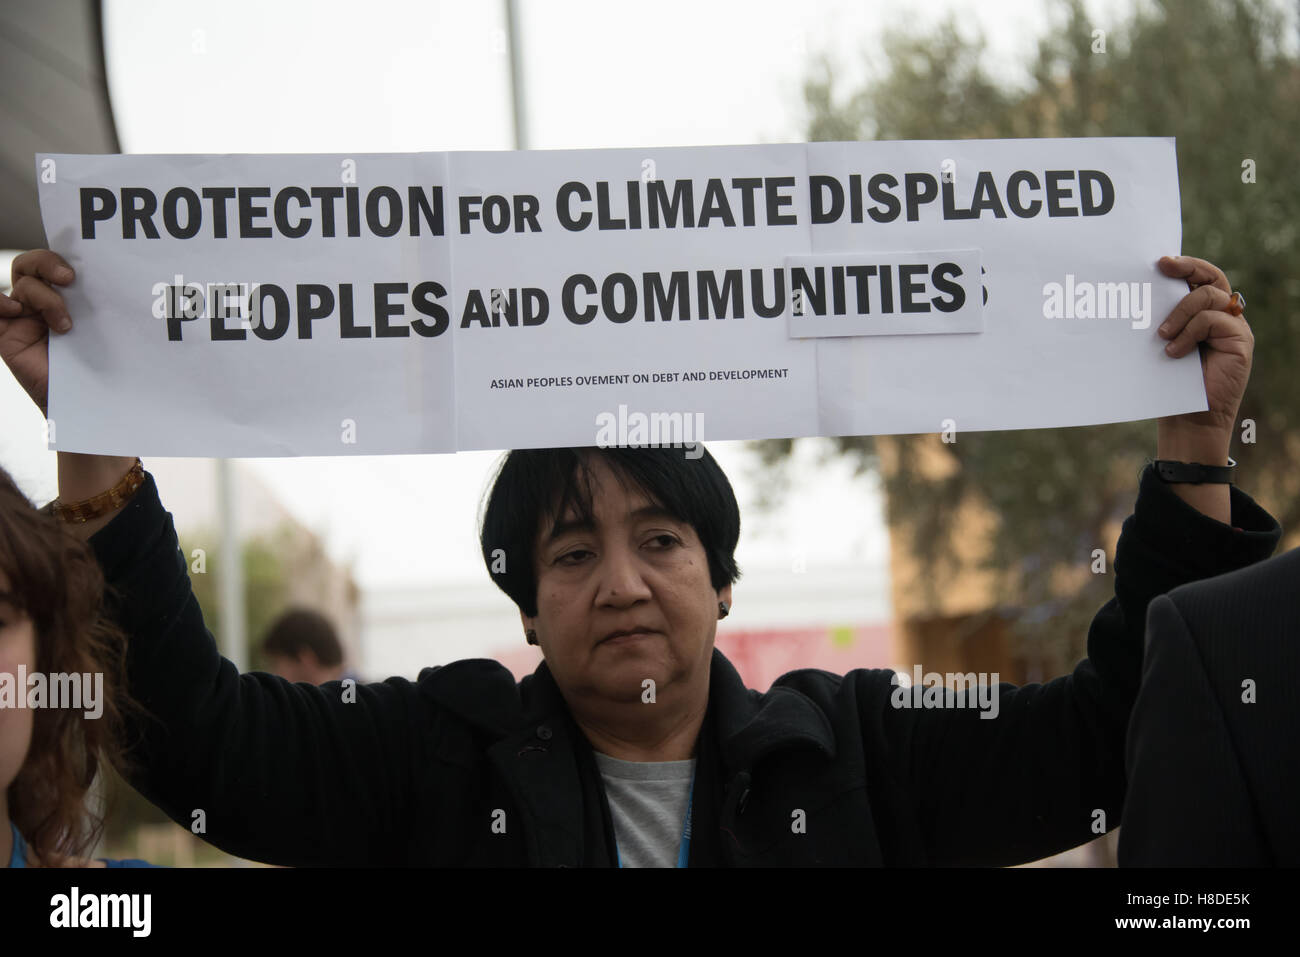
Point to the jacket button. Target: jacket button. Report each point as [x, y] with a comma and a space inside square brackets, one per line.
[544, 732]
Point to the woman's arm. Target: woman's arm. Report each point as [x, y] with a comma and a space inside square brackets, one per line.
[85, 476]
[1208, 320]
[265, 769]
[279, 772]
[1181, 444]
[1047, 772]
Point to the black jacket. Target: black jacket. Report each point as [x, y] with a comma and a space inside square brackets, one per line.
[431, 772]
[1214, 762]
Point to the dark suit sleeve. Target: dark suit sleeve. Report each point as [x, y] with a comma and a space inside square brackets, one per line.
[1048, 772]
[1186, 776]
[283, 773]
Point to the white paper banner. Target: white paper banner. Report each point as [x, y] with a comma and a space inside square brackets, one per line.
[427, 302]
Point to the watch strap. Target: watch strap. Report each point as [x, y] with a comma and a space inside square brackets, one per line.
[1195, 473]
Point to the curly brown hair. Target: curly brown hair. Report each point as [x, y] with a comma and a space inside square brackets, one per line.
[55, 580]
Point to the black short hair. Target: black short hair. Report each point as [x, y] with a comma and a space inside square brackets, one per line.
[301, 628]
[532, 484]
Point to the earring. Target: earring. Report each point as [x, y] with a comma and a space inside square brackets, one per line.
[723, 610]
[531, 635]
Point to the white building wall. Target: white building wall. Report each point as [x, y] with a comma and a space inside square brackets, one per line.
[406, 629]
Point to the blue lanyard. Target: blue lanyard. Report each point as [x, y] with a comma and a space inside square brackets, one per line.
[19, 856]
[684, 848]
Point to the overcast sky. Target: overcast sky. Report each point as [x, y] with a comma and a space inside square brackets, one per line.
[248, 76]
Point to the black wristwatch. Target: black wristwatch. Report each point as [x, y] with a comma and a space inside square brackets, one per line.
[1195, 473]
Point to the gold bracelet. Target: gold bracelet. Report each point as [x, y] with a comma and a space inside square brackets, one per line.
[81, 512]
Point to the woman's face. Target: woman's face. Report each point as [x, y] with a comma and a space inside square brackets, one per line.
[638, 568]
[17, 647]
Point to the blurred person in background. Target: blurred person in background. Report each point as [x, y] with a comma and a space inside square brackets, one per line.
[302, 645]
[53, 623]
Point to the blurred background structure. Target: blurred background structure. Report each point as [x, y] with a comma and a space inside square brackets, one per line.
[57, 101]
[976, 555]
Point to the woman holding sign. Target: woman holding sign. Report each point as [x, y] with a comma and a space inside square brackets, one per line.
[635, 743]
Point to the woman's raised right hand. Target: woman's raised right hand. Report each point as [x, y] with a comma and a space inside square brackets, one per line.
[28, 314]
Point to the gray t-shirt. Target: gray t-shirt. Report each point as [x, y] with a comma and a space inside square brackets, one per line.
[647, 800]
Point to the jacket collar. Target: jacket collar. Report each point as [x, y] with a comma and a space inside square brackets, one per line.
[750, 724]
